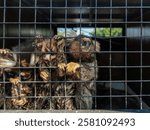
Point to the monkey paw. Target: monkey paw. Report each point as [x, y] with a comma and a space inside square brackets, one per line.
[44, 74]
[62, 66]
[72, 67]
[61, 69]
[15, 81]
[19, 102]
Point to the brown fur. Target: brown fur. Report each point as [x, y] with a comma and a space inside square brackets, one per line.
[85, 50]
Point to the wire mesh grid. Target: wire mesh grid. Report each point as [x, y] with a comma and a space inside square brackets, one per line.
[117, 77]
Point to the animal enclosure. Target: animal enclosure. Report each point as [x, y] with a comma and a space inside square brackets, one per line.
[75, 55]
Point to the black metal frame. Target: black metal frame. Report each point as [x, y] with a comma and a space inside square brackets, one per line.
[132, 16]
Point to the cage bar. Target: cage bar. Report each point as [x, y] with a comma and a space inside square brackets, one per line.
[121, 27]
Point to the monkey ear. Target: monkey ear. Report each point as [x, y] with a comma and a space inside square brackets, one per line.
[14, 56]
[97, 46]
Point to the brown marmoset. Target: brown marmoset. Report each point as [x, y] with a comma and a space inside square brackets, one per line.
[53, 67]
[83, 51]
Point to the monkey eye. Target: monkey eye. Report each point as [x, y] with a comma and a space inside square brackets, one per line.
[85, 43]
[88, 44]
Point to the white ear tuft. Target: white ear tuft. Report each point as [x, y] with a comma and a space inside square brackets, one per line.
[33, 59]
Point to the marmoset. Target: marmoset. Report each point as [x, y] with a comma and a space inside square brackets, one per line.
[53, 69]
[83, 51]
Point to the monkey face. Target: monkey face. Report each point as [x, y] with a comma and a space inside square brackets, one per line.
[84, 49]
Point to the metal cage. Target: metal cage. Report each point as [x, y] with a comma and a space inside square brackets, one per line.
[123, 67]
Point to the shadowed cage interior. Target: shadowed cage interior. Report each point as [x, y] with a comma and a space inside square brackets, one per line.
[111, 70]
